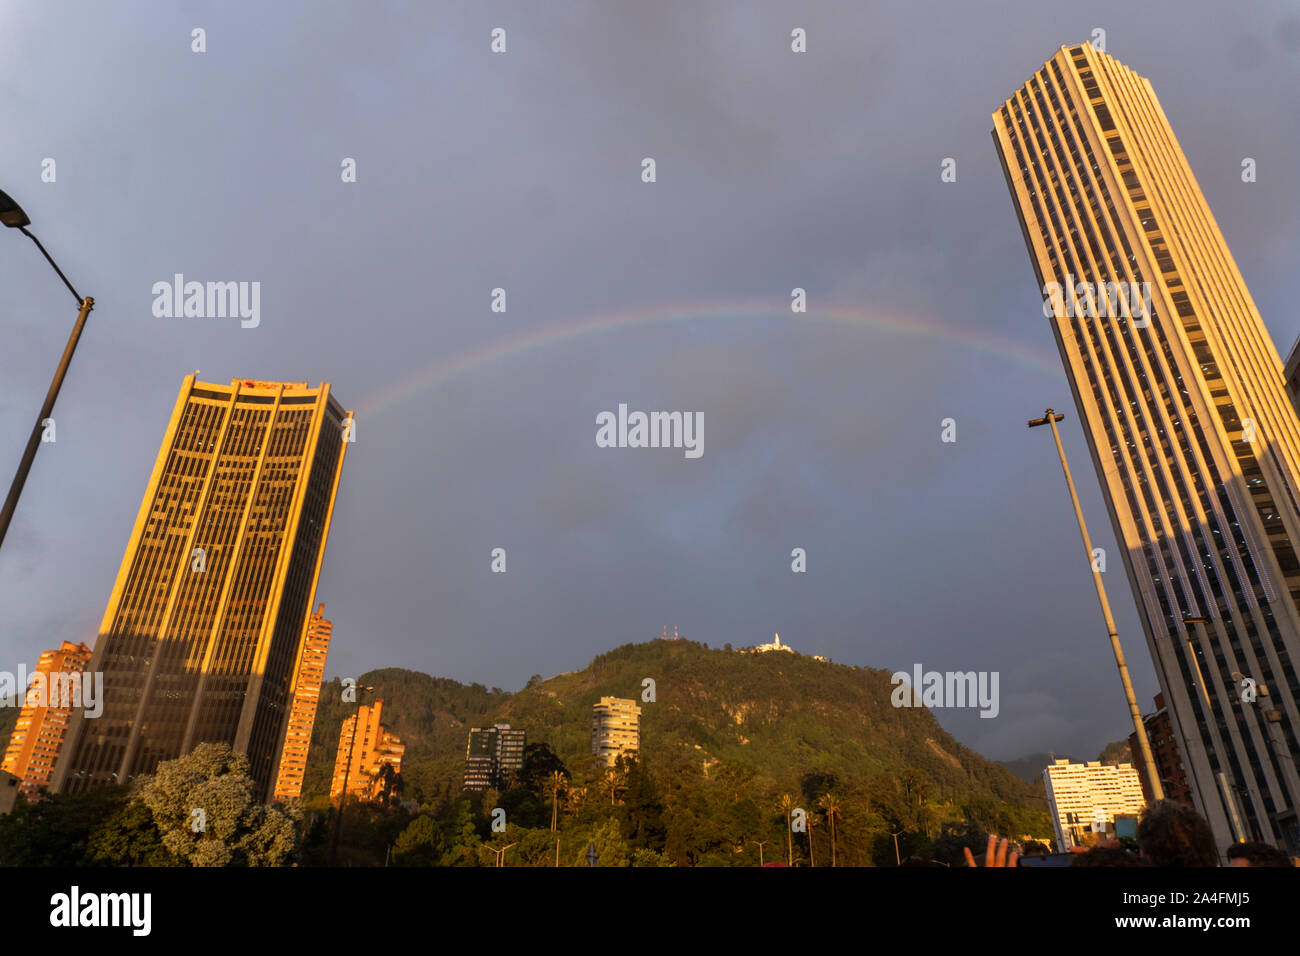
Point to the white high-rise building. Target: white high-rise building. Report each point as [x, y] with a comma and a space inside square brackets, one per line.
[615, 729]
[1080, 795]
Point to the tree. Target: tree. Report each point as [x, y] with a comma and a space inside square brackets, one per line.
[557, 783]
[420, 844]
[831, 805]
[645, 857]
[611, 848]
[391, 785]
[129, 838]
[539, 763]
[576, 800]
[817, 784]
[808, 824]
[642, 810]
[57, 830]
[787, 807]
[955, 838]
[461, 836]
[205, 809]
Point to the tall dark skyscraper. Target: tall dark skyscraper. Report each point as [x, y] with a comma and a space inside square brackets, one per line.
[1181, 394]
[205, 630]
[493, 756]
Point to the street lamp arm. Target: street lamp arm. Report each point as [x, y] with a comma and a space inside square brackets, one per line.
[50, 260]
[1051, 418]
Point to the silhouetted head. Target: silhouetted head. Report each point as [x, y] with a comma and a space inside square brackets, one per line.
[1171, 834]
[1107, 856]
[1256, 854]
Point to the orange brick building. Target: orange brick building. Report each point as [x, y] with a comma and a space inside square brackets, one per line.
[302, 715]
[43, 722]
[365, 746]
[1164, 749]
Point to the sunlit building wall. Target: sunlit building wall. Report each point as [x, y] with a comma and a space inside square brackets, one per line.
[204, 631]
[302, 715]
[615, 729]
[1192, 434]
[38, 735]
[1081, 796]
[365, 747]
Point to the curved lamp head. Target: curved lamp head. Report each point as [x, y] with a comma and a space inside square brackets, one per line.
[11, 214]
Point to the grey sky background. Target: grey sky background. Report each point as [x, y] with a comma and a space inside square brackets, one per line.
[522, 170]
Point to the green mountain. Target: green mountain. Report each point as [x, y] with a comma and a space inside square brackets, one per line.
[1030, 767]
[770, 718]
[1115, 752]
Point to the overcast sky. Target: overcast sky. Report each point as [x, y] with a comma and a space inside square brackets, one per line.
[476, 430]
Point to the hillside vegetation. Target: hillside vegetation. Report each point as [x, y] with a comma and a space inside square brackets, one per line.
[764, 723]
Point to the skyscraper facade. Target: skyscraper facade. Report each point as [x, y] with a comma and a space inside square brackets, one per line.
[302, 714]
[1181, 394]
[42, 724]
[203, 637]
[493, 756]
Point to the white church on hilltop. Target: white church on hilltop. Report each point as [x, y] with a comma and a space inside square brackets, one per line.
[776, 645]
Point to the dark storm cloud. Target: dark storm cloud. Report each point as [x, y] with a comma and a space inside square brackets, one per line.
[523, 171]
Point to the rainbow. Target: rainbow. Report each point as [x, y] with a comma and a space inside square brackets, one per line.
[442, 370]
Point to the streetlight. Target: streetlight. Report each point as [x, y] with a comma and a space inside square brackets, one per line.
[1144, 745]
[1191, 652]
[501, 853]
[13, 216]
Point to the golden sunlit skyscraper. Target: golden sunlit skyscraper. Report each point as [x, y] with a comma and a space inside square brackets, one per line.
[1182, 399]
[205, 629]
[302, 715]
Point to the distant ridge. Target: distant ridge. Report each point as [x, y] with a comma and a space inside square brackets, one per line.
[1030, 768]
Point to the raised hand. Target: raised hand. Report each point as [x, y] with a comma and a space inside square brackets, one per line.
[995, 855]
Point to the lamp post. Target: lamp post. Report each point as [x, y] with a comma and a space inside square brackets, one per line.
[501, 853]
[1144, 745]
[13, 216]
[1191, 652]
